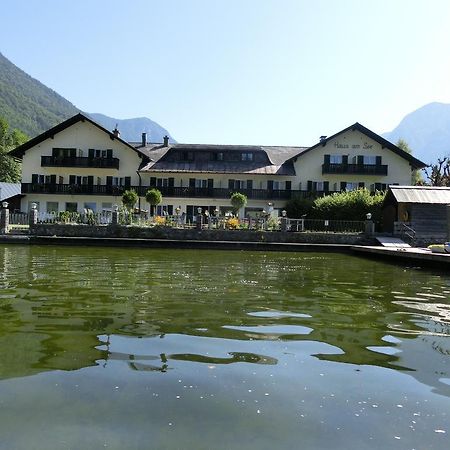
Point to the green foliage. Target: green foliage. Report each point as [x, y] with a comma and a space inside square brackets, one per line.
[10, 168]
[129, 199]
[353, 205]
[238, 201]
[402, 144]
[28, 104]
[297, 207]
[153, 197]
[416, 176]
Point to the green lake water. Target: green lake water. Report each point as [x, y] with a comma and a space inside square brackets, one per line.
[183, 349]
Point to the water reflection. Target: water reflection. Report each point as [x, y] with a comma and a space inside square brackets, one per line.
[67, 309]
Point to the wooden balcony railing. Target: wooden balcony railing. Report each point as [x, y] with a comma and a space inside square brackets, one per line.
[66, 161]
[180, 192]
[356, 169]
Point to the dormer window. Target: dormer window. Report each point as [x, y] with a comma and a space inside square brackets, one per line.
[187, 156]
[246, 156]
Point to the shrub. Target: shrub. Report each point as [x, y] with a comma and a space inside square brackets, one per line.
[238, 201]
[129, 199]
[297, 207]
[153, 197]
[353, 205]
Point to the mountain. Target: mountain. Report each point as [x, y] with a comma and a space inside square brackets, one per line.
[27, 104]
[33, 108]
[131, 129]
[427, 132]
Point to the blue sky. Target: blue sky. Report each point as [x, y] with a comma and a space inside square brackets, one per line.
[274, 72]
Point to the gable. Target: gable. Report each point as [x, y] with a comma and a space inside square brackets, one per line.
[359, 139]
[58, 129]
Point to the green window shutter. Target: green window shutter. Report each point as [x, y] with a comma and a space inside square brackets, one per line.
[35, 178]
[91, 153]
[343, 185]
[109, 181]
[360, 160]
[52, 179]
[270, 185]
[192, 182]
[90, 180]
[152, 181]
[249, 184]
[345, 159]
[230, 184]
[109, 153]
[326, 159]
[73, 152]
[210, 183]
[288, 185]
[310, 186]
[71, 179]
[171, 182]
[361, 185]
[326, 186]
[127, 182]
[378, 160]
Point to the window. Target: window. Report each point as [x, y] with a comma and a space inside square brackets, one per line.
[217, 156]
[186, 156]
[90, 206]
[52, 207]
[116, 181]
[370, 160]
[106, 206]
[335, 159]
[164, 210]
[239, 184]
[201, 183]
[71, 206]
[276, 185]
[162, 182]
[246, 156]
[351, 186]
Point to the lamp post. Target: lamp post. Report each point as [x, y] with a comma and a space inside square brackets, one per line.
[199, 221]
[284, 220]
[4, 218]
[115, 215]
[369, 225]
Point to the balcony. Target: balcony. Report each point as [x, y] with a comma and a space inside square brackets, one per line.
[179, 192]
[355, 169]
[67, 161]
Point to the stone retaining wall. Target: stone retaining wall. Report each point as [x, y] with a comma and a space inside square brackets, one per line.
[119, 231]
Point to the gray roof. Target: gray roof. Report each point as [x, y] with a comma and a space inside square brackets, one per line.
[421, 194]
[8, 190]
[275, 160]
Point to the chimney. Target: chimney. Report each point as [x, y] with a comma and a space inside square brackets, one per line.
[144, 139]
[322, 138]
[116, 132]
[166, 141]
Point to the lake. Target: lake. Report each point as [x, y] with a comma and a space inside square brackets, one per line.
[186, 349]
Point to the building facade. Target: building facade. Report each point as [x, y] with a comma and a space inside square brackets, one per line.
[80, 165]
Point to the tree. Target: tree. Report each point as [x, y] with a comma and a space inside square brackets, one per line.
[153, 197]
[10, 168]
[238, 201]
[129, 199]
[416, 176]
[439, 174]
[297, 207]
